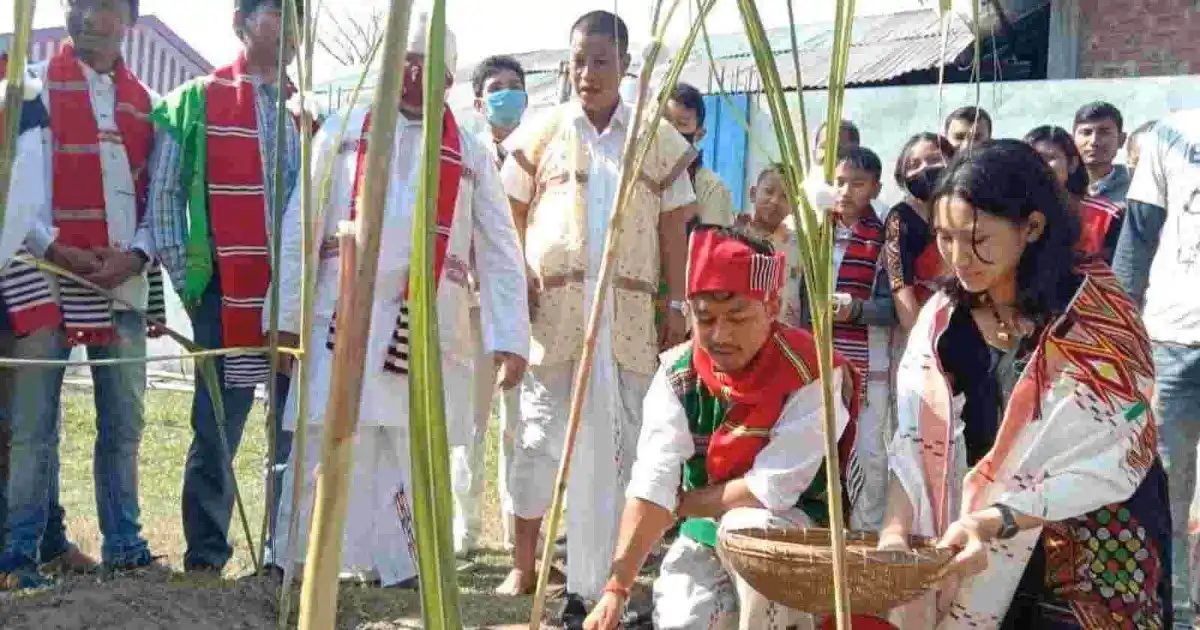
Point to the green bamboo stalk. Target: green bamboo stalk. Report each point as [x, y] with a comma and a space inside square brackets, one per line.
[22, 29]
[282, 119]
[318, 605]
[815, 244]
[807, 157]
[433, 506]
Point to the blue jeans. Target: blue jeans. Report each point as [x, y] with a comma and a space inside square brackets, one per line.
[34, 513]
[207, 477]
[1178, 408]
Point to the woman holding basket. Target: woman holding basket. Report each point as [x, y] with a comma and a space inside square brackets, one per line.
[1026, 439]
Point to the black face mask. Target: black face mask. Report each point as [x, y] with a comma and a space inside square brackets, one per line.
[920, 186]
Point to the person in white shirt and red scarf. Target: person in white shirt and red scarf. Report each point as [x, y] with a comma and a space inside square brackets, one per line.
[475, 237]
[86, 142]
[213, 210]
[731, 438]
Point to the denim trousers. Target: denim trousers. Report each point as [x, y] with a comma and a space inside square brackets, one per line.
[35, 518]
[1177, 403]
[208, 499]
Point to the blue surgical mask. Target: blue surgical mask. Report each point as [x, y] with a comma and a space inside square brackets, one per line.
[504, 108]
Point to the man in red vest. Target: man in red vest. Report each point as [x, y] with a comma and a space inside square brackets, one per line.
[84, 148]
[731, 438]
[214, 207]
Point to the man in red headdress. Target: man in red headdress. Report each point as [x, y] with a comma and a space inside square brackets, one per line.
[731, 438]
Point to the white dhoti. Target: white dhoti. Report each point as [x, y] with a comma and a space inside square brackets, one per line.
[468, 449]
[696, 590]
[378, 543]
[870, 445]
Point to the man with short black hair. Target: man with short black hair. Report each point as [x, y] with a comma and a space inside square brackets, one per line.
[562, 183]
[967, 126]
[213, 209]
[848, 138]
[500, 96]
[1099, 133]
[84, 146]
[686, 111]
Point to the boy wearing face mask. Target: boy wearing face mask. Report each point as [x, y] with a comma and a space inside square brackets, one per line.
[213, 209]
[686, 111]
[499, 85]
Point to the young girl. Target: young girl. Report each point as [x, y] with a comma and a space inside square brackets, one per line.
[913, 263]
[1025, 434]
[1100, 220]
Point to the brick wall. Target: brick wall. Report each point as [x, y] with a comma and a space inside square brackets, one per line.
[1138, 38]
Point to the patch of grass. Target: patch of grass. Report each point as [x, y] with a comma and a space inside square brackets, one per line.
[164, 449]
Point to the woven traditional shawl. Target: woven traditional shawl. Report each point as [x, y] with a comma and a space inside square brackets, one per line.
[78, 200]
[450, 171]
[856, 276]
[237, 208]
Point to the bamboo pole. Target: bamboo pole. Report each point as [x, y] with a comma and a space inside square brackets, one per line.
[318, 596]
[15, 72]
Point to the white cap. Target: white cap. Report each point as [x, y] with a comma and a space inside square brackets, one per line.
[418, 42]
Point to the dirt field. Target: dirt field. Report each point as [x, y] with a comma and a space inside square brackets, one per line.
[162, 598]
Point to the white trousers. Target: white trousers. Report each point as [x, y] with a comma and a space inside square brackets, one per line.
[696, 590]
[870, 445]
[605, 449]
[378, 542]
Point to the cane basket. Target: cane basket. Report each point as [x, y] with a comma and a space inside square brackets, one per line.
[795, 568]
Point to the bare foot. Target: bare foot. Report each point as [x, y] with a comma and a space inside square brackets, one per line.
[518, 583]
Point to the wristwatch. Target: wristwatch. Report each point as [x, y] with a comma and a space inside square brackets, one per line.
[679, 306]
[142, 257]
[1008, 525]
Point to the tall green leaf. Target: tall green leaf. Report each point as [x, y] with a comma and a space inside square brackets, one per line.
[433, 507]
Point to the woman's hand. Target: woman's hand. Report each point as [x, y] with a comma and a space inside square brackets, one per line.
[893, 541]
[969, 535]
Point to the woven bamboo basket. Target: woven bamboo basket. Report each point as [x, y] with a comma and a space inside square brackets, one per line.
[795, 568]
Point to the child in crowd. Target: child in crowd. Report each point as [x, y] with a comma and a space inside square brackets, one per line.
[770, 219]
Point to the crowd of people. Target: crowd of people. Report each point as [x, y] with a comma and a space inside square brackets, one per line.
[996, 387]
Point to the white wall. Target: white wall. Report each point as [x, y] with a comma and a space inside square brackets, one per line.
[888, 116]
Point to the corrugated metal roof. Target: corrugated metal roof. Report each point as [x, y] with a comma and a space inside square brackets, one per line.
[883, 48]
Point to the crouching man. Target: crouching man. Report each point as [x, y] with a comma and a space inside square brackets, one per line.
[731, 438]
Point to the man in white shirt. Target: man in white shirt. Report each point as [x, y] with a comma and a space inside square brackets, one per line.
[732, 439]
[85, 172]
[499, 85]
[1158, 261]
[475, 236]
[562, 182]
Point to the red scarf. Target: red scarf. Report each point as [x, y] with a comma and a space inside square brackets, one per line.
[1096, 216]
[77, 199]
[237, 206]
[450, 172]
[757, 396]
[856, 276]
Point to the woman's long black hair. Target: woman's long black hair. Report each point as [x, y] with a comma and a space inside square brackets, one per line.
[1008, 180]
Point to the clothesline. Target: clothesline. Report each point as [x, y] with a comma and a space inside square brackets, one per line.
[4, 362]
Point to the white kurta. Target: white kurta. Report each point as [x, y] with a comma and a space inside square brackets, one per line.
[482, 232]
[23, 200]
[694, 588]
[611, 414]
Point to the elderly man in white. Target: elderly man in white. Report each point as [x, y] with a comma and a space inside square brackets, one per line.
[476, 237]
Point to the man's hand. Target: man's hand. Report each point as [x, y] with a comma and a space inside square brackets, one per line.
[511, 369]
[607, 613]
[674, 330]
[79, 261]
[115, 267]
[286, 361]
[534, 283]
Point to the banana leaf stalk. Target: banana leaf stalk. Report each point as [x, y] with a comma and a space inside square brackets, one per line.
[815, 242]
[433, 507]
[22, 29]
[318, 596]
[282, 119]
